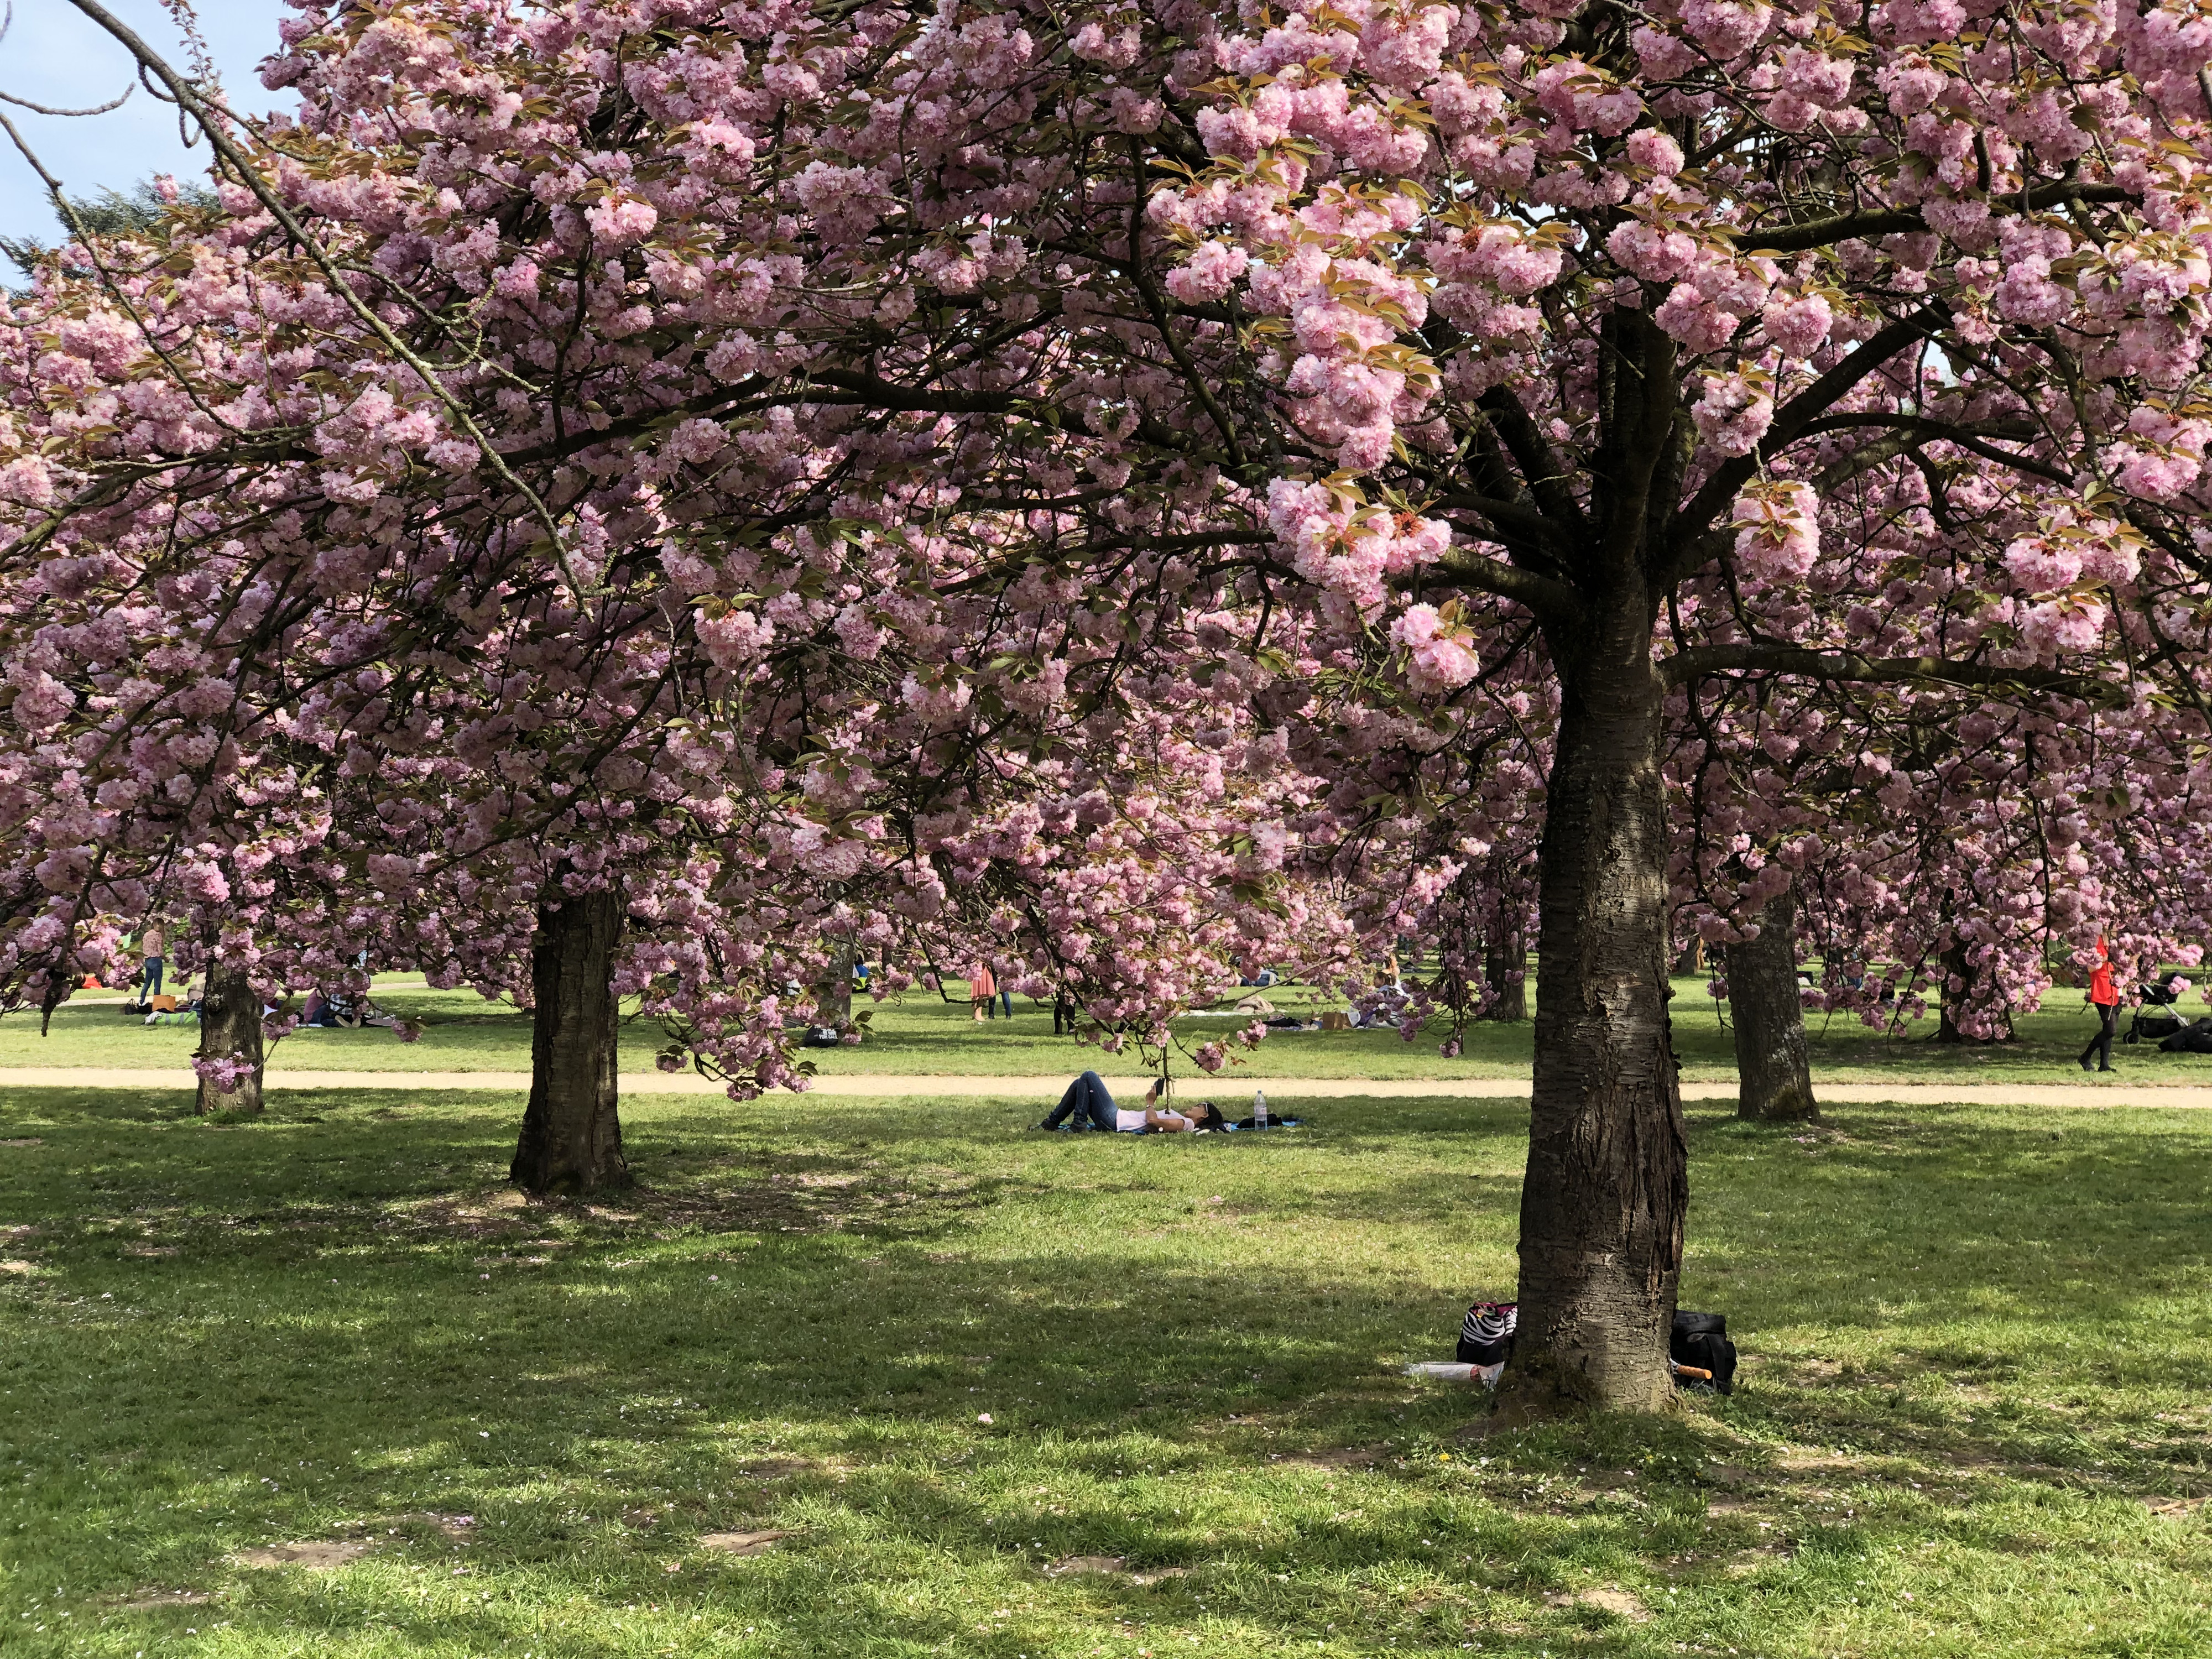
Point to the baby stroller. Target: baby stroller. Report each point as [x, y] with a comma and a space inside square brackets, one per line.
[2152, 1020]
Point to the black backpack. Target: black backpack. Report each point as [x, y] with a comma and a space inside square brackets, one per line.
[1699, 1340]
[2194, 1038]
[1485, 1336]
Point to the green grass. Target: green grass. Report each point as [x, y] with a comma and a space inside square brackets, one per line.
[1978, 1347]
[921, 1034]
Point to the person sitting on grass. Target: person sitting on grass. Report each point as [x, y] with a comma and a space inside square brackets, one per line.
[181, 1008]
[1092, 1105]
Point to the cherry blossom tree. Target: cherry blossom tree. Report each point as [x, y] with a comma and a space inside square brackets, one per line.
[1944, 865]
[1449, 355]
[682, 690]
[1728, 343]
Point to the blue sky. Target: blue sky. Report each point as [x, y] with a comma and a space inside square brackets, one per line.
[53, 55]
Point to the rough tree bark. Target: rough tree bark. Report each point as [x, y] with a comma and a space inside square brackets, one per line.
[571, 1140]
[1774, 1072]
[230, 1024]
[1607, 1187]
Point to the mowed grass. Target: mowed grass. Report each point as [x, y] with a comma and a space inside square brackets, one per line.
[922, 1034]
[1973, 1416]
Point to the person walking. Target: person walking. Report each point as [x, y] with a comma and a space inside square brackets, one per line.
[2105, 997]
[153, 946]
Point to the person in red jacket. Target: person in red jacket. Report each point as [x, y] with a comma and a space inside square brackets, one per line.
[2105, 997]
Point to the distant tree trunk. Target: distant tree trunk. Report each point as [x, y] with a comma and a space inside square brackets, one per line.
[1607, 1191]
[1951, 1004]
[230, 1027]
[1691, 958]
[571, 1138]
[1774, 1073]
[1504, 941]
[1506, 970]
[833, 992]
[1952, 962]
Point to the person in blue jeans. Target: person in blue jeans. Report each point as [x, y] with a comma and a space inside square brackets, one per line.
[1090, 1104]
[154, 947]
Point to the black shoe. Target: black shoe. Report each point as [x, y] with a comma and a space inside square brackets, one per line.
[1049, 1124]
[2107, 1068]
[2085, 1064]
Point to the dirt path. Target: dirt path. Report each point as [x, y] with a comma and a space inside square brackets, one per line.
[879, 1085]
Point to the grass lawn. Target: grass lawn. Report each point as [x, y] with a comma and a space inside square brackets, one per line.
[1977, 1347]
[921, 1034]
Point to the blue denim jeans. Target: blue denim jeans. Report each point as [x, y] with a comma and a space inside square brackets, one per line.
[1088, 1102]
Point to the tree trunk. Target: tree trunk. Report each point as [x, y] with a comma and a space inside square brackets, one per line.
[1692, 958]
[1951, 1004]
[833, 992]
[1607, 1189]
[1774, 1073]
[571, 1131]
[1952, 961]
[1506, 970]
[230, 1027]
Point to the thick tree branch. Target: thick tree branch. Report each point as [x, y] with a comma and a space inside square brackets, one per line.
[1909, 432]
[1548, 600]
[1791, 422]
[1539, 468]
[1859, 226]
[1514, 522]
[1758, 657]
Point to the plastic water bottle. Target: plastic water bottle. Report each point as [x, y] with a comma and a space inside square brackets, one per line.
[1259, 1109]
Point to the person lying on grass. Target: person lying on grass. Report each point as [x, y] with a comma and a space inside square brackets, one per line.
[1090, 1103]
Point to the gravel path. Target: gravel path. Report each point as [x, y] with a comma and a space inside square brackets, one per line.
[1031, 1088]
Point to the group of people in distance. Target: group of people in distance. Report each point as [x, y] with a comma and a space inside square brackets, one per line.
[986, 995]
[181, 1002]
[144, 994]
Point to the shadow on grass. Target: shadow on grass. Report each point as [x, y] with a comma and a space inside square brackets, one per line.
[336, 1320]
